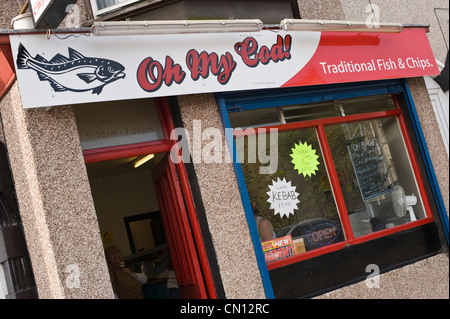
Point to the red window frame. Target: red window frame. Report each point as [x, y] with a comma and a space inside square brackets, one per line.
[159, 146]
[334, 181]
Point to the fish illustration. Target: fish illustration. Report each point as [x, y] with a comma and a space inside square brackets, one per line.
[75, 73]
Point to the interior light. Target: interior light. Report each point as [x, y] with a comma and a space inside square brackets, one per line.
[143, 160]
[332, 25]
[175, 26]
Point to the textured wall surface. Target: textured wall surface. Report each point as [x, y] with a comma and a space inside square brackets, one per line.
[9, 9]
[321, 10]
[223, 206]
[55, 200]
[426, 279]
[432, 135]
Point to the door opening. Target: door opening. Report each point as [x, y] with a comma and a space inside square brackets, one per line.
[142, 212]
[114, 136]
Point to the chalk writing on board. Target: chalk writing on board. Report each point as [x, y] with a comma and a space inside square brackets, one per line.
[370, 166]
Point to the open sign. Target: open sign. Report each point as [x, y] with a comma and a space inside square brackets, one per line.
[323, 234]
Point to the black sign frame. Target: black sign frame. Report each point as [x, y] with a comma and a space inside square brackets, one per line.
[53, 15]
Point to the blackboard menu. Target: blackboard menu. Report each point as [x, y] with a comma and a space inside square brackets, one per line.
[370, 166]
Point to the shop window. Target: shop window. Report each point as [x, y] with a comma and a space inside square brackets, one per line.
[370, 160]
[369, 157]
[104, 6]
[269, 11]
[330, 169]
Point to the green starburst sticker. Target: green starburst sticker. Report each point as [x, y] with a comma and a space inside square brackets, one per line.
[304, 159]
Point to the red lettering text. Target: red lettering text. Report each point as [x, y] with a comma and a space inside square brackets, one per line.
[151, 74]
[324, 234]
[251, 56]
[279, 253]
[201, 63]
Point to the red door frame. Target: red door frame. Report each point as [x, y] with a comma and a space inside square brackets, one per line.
[7, 72]
[178, 232]
[166, 145]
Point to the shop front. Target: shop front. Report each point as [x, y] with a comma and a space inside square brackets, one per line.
[308, 142]
[351, 152]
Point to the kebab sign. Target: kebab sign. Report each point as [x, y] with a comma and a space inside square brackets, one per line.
[283, 197]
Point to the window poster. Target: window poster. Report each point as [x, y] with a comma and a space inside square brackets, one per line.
[304, 158]
[278, 248]
[283, 197]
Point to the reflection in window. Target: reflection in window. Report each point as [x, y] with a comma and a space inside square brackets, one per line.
[306, 112]
[258, 117]
[101, 4]
[309, 111]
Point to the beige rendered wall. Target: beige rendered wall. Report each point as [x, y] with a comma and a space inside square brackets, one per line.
[55, 200]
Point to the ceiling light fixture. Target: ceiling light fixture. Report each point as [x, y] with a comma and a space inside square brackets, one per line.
[175, 26]
[143, 160]
[333, 25]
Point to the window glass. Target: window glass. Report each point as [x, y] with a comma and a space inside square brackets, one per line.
[375, 174]
[101, 4]
[367, 104]
[312, 111]
[295, 197]
[252, 118]
[327, 109]
[100, 7]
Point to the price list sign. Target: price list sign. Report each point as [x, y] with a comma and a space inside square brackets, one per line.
[370, 166]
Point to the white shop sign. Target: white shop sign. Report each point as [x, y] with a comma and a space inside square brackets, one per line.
[68, 69]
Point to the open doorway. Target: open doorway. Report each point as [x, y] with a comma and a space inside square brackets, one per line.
[141, 211]
[129, 218]
[146, 212]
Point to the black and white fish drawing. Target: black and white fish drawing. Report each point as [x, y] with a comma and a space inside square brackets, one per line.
[75, 73]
